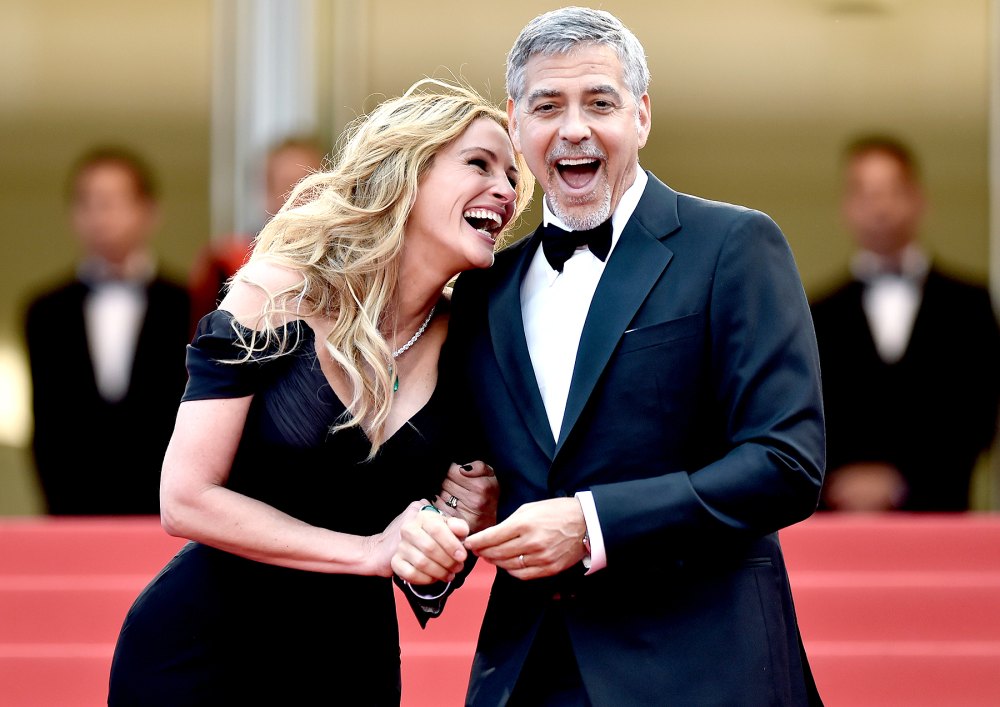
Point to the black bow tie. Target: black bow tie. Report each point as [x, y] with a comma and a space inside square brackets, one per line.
[559, 245]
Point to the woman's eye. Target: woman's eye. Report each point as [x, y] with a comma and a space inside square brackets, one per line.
[476, 162]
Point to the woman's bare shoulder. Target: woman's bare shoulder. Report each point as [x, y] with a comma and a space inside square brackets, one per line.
[261, 285]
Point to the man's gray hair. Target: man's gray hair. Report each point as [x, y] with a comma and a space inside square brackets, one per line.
[560, 31]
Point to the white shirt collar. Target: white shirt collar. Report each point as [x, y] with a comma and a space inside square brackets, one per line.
[913, 263]
[139, 268]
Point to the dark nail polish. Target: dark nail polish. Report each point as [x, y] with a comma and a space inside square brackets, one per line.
[467, 467]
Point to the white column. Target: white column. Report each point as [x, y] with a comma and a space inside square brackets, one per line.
[263, 90]
[994, 147]
[349, 72]
[994, 204]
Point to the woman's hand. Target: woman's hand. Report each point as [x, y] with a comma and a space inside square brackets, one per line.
[470, 492]
[430, 547]
[384, 545]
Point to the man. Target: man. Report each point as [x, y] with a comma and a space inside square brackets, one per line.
[285, 164]
[652, 413]
[106, 350]
[909, 354]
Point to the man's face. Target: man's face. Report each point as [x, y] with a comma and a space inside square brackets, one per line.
[284, 170]
[110, 217]
[882, 204]
[580, 131]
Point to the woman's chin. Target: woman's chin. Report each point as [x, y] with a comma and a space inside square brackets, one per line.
[487, 262]
[481, 260]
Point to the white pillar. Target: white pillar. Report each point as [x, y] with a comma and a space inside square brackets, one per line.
[994, 204]
[994, 147]
[263, 90]
[349, 74]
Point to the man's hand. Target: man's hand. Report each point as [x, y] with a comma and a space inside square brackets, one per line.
[539, 539]
[430, 548]
[865, 486]
[470, 492]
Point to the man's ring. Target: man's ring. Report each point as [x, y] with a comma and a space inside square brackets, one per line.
[452, 502]
[521, 558]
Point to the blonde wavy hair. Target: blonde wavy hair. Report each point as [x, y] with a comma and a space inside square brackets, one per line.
[343, 230]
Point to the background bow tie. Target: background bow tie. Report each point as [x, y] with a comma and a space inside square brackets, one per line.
[559, 245]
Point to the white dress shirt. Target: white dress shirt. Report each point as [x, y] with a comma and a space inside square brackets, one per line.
[113, 313]
[554, 307]
[891, 300]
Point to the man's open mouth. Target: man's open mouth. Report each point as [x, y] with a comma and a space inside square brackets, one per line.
[578, 172]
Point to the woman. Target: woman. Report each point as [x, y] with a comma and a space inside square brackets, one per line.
[311, 422]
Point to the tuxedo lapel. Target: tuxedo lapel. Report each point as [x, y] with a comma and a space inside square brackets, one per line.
[511, 348]
[635, 265]
[77, 338]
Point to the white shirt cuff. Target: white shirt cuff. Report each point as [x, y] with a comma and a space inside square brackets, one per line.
[598, 560]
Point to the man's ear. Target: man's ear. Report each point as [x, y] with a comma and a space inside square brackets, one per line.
[644, 119]
[512, 126]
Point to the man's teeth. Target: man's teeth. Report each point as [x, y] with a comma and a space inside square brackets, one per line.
[576, 161]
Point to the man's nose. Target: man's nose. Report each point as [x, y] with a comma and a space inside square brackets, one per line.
[574, 127]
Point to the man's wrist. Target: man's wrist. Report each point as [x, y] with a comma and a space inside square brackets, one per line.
[595, 558]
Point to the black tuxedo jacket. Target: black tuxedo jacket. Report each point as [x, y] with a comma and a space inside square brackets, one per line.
[931, 413]
[92, 456]
[695, 418]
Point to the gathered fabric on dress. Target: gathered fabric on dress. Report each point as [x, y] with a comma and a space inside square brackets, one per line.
[213, 628]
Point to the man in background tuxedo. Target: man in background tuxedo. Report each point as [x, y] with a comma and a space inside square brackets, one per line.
[910, 355]
[106, 349]
[287, 162]
[642, 375]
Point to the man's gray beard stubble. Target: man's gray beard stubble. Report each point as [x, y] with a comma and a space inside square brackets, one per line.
[586, 221]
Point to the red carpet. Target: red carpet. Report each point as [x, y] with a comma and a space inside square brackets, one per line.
[894, 610]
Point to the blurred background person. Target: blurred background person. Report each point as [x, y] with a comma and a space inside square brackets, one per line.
[106, 349]
[284, 165]
[910, 355]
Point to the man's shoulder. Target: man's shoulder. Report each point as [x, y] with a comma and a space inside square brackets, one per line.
[168, 285]
[717, 214]
[56, 292]
[836, 292]
[513, 250]
[505, 263]
[663, 205]
[958, 299]
[942, 281]
[50, 306]
[836, 305]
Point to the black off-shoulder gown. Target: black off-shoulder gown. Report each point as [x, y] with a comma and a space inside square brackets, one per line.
[213, 628]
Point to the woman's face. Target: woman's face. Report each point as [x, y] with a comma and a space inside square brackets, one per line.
[464, 200]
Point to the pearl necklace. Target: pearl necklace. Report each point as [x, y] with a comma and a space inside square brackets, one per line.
[405, 347]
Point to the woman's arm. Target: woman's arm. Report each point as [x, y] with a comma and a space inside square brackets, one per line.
[195, 503]
[194, 500]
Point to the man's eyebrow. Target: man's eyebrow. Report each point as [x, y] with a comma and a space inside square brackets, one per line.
[604, 89]
[543, 93]
[598, 90]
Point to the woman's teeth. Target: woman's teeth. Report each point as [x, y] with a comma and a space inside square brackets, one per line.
[483, 220]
